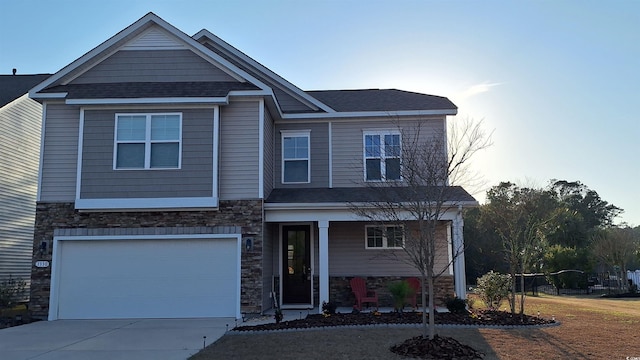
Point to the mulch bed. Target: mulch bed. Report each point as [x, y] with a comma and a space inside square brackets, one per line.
[7, 321]
[417, 347]
[477, 318]
[441, 347]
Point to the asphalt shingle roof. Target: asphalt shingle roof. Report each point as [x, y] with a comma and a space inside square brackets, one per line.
[358, 195]
[14, 86]
[381, 100]
[149, 89]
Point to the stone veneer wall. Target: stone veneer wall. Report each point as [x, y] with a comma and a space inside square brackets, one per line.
[340, 290]
[246, 214]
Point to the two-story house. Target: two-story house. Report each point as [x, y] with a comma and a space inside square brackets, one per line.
[20, 122]
[181, 178]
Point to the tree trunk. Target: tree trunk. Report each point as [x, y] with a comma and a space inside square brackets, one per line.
[432, 323]
[522, 293]
[512, 296]
[423, 298]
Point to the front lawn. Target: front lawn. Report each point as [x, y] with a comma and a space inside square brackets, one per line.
[591, 328]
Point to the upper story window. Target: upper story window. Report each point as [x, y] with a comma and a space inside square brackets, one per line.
[296, 167]
[148, 141]
[384, 237]
[382, 152]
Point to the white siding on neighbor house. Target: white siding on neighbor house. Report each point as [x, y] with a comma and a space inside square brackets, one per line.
[60, 155]
[348, 256]
[153, 66]
[347, 139]
[20, 124]
[239, 150]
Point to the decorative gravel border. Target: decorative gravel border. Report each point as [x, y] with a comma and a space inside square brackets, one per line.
[397, 326]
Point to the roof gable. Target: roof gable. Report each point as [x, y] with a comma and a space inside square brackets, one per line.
[151, 33]
[283, 89]
[148, 32]
[154, 39]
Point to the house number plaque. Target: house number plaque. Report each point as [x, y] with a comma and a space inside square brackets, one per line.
[42, 264]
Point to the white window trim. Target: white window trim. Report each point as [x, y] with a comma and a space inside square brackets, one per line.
[384, 238]
[295, 133]
[147, 142]
[383, 170]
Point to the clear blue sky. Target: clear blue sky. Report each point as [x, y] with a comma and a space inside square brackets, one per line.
[557, 81]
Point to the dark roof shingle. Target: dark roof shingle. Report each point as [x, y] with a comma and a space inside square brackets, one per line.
[381, 100]
[14, 86]
[358, 195]
[136, 90]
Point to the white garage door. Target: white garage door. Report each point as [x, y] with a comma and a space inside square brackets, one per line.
[170, 278]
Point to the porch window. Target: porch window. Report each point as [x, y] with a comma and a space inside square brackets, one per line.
[147, 141]
[382, 151]
[384, 237]
[296, 167]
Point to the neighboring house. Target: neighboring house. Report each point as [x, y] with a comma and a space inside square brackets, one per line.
[181, 178]
[20, 123]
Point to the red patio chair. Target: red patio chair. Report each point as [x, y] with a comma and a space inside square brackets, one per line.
[414, 285]
[359, 288]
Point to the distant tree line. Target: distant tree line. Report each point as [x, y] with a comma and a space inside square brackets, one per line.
[564, 225]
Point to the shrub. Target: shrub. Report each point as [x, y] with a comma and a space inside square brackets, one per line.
[471, 302]
[329, 308]
[456, 305]
[12, 291]
[493, 288]
[399, 291]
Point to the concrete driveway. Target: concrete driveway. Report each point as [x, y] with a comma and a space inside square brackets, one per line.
[162, 339]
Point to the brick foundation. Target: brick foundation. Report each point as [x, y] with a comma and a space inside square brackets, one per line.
[246, 214]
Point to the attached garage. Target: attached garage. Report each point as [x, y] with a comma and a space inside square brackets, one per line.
[178, 276]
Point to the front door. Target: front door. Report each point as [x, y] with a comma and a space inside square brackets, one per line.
[296, 264]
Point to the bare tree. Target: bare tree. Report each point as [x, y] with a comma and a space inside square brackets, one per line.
[416, 203]
[519, 216]
[616, 247]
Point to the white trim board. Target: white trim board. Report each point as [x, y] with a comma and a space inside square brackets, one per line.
[177, 203]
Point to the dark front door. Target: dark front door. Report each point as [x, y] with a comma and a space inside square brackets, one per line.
[296, 264]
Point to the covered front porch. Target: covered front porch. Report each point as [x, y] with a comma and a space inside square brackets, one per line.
[313, 250]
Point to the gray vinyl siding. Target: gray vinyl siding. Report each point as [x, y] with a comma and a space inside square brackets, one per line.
[20, 125]
[194, 179]
[269, 153]
[349, 257]
[269, 246]
[319, 139]
[60, 153]
[348, 147]
[153, 66]
[239, 149]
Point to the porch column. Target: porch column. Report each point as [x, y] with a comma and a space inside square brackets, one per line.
[323, 262]
[459, 271]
